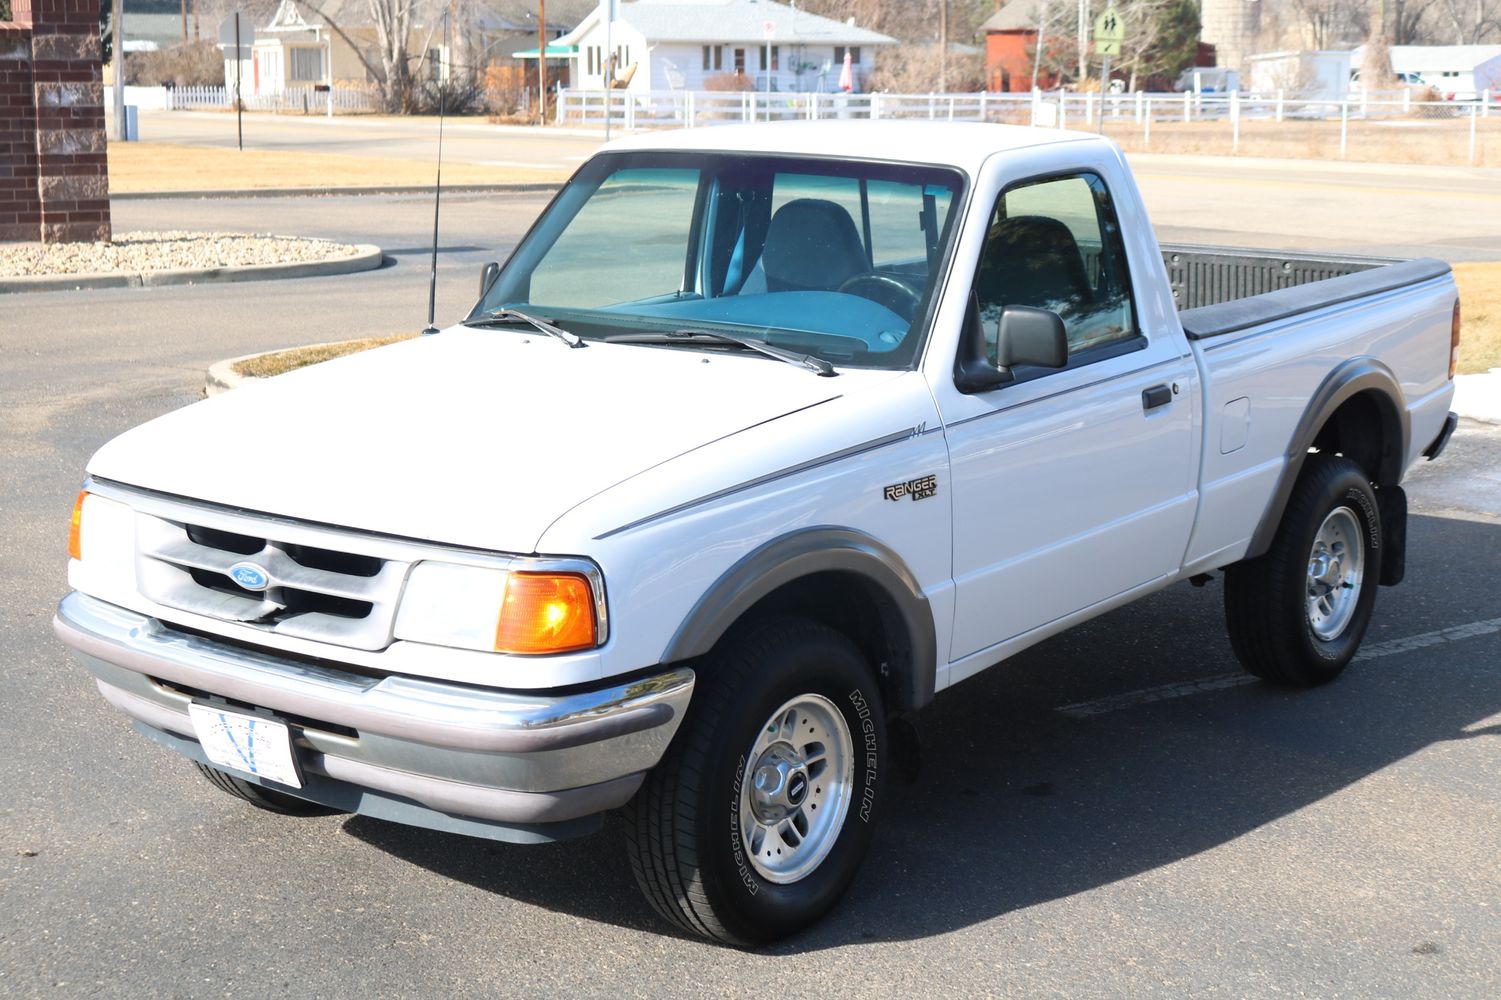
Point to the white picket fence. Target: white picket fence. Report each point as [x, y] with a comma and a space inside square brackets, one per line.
[1112, 113]
[339, 100]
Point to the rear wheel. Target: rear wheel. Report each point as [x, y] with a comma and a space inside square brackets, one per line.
[262, 797]
[756, 820]
[1297, 614]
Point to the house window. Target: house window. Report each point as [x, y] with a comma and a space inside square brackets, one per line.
[591, 60]
[307, 65]
[854, 52]
[713, 57]
[776, 57]
[739, 61]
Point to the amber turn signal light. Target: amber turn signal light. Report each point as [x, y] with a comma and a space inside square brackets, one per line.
[1454, 342]
[75, 548]
[546, 613]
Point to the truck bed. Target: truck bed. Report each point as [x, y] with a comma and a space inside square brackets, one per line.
[1220, 290]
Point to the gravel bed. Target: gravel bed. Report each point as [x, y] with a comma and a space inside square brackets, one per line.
[133, 253]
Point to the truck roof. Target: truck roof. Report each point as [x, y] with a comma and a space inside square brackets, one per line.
[959, 144]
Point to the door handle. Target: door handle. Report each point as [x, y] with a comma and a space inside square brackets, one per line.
[1158, 395]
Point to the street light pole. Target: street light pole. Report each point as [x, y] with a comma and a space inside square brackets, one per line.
[541, 61]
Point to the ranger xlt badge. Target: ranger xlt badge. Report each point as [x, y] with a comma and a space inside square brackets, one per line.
[917, 489]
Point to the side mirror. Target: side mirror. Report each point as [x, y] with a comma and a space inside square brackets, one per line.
[487, 277]
[1029, 336]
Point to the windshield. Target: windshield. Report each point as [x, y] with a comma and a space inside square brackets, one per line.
[830, 258]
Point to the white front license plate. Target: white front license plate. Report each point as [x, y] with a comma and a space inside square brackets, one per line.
[246, 743]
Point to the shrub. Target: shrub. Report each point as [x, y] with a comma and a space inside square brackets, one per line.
[728, 81]
[190, 64]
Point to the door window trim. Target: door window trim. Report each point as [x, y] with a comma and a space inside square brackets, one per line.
[1090, 355]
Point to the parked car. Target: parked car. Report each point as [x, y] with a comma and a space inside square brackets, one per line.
[762, 438]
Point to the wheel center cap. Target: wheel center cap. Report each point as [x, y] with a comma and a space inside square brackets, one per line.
[779, 784]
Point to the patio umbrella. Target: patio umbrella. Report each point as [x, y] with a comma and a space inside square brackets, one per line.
[847, 74]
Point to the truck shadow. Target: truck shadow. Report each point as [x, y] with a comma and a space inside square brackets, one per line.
[1019, 804]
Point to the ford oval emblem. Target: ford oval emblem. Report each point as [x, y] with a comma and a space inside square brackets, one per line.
[250, 576]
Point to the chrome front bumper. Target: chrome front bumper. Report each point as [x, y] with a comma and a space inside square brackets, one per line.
[418, 751]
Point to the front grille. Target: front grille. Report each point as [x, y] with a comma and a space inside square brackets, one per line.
[312, 592]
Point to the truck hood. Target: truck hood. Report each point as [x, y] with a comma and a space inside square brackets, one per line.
[473, 438]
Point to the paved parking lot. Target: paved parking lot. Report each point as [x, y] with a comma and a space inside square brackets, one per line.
[1113, 813]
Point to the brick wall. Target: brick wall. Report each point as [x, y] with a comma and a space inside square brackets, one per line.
[52, 124]
[20, 202]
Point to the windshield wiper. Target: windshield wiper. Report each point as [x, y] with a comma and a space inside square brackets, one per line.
[496, 317]
[807, 361]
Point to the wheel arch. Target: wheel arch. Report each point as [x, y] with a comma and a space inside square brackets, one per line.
[1356, 411]
[841, 577]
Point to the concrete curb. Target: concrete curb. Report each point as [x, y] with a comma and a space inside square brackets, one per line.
[222, 377]
[516, 187]
[1478, 397]
[366, 257]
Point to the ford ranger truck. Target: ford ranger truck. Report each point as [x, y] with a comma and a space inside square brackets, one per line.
[761, 438]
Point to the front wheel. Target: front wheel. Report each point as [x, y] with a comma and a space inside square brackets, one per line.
[1297, 614]
[756, 820]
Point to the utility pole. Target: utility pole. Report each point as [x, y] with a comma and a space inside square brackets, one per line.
[184, 4]
[1042, 27]
[943, 46]
[1083, 40]
[541, 62]
[117, 70]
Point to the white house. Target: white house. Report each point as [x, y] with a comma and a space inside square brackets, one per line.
[681, 44]
[1457, 72]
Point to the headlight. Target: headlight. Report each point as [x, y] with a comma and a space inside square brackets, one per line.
[498, 610]
[101, 547]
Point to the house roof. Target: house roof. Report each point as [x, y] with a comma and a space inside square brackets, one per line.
[728, 21]
[1441, 58]
[1018, 15]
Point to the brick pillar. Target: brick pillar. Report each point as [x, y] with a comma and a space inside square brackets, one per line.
[72, 176]
[20, 203]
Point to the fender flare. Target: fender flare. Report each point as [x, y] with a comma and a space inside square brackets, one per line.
[804, 553]
[1357, 375]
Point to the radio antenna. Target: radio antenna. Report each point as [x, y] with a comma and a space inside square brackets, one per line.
[432, 277]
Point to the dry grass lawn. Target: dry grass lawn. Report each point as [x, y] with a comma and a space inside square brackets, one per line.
[1480, 307]
[300, 357]
[137, 167]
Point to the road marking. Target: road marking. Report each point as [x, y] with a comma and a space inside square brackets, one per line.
[1453, 634]
[1219, 682]
[1147, 696]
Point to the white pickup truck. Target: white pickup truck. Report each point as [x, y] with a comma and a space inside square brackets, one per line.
[761, 438]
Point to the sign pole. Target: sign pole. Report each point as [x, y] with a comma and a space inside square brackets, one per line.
[239, 103]
[1104, 90]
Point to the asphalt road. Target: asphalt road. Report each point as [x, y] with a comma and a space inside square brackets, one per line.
[1113, 813]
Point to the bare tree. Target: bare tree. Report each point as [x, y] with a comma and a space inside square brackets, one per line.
[393, 21]
[1470, 21]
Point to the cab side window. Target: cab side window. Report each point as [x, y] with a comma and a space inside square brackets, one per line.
[1055, 244]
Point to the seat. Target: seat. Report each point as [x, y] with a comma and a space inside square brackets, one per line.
[811, 245]
[1032, 260]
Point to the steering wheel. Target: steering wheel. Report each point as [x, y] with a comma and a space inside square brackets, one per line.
[903, 302]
